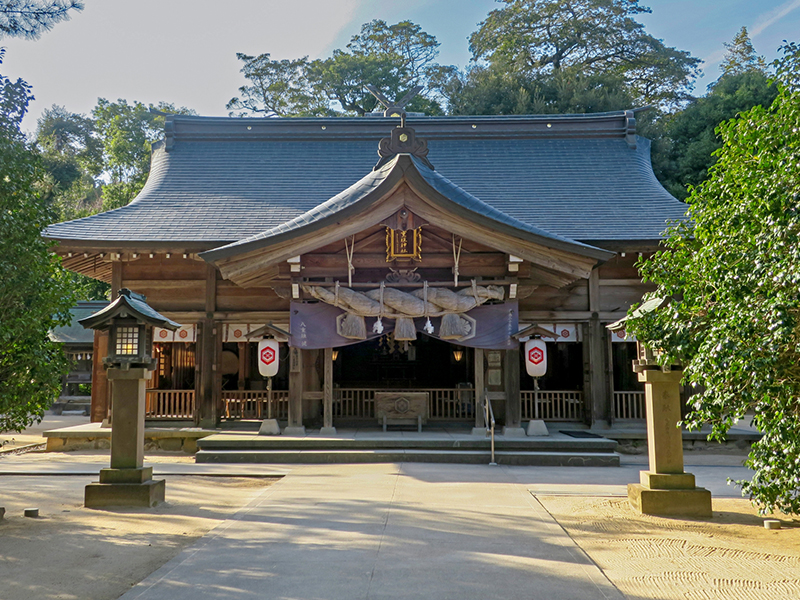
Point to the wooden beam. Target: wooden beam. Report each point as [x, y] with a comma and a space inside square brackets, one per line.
[100, 384]
[480, 386]
[327, 389]
[295, 387]
[567, 316]
[512, 384]
[594, 291]
[211, 289]
[116, 279]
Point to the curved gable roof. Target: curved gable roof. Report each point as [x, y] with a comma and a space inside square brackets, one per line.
[369, 189]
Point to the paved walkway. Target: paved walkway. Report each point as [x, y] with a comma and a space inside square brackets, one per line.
[385, 531]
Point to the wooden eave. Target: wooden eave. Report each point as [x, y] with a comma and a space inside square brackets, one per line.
[254, 263]
[95, 259]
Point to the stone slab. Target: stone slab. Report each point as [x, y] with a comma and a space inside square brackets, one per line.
[667, 481]
[670, 503]
[513, 432]
[269, 427]
[103, 495]
[139, 475]
[537, 428]
[294, 431]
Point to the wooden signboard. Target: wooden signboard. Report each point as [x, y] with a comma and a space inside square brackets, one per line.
[401, 408]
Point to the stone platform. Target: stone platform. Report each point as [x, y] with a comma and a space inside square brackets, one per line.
[437, 446]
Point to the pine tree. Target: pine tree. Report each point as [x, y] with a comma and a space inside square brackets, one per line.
[741, 56]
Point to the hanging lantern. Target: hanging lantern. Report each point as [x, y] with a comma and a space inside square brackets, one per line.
[536, 357]
[268, 358]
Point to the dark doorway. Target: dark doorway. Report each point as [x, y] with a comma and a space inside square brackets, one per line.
[384, 363]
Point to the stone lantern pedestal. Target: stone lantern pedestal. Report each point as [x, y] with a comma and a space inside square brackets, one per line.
[130, 322]
[127, 482]
[665, 489]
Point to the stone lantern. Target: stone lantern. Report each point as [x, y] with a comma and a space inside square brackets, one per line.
[129, 321]
[665, 489]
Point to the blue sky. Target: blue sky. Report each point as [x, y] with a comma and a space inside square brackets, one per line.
[183, 51]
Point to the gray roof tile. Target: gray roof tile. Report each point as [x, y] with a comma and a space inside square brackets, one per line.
[222, 187]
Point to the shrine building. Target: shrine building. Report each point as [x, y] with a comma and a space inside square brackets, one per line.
[421, 269]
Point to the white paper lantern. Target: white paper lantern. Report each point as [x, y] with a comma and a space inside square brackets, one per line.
[536, 357]
[268, 358]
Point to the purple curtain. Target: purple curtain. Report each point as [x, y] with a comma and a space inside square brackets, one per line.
[313, 326]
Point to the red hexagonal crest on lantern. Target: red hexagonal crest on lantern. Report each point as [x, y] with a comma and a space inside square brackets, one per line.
[536, 355]
[267, 355]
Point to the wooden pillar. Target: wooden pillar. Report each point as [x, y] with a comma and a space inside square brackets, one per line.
[599, 400]
[116, 279]
[513, 425]
[480, 388]
[242, 365]
[327, 394]
[100, 384]
[597, 353]
[295, 425]
[206, 412]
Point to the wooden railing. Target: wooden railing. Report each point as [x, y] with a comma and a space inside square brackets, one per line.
[552, 405]
[629, 405]
[169, 404]
[451, 404]
[255, 404]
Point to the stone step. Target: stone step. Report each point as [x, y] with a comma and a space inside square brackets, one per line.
[549, 444]
[322, 456]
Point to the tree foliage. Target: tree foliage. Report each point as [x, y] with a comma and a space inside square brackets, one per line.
[732, 272]
[72, 156]
[34, 289]
[741, 57]
[548, 42]
[394, 58]
[127, 132]
[29, 18]
[688, 140]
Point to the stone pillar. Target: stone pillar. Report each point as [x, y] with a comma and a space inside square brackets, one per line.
[327, 395]
[666, 489]
[295, 425]
[127, 420]
[513, 426]
[127, 482]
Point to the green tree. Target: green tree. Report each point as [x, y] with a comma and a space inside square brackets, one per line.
[127, 132]
[394, 58]
[741, 57]
[72, 156]
[491, 90]
[685, 150]
[550, 42]
[29, 18]
[732, 272]
[278, 88]
[35, 292]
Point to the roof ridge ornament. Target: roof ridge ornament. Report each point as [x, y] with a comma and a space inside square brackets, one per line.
[403, 139]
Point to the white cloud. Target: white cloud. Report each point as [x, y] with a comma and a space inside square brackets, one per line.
[773, 16]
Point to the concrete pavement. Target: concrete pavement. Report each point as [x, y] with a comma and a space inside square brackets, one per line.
[386, 531]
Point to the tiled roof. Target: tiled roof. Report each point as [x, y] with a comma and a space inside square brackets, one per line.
[220, 182]
[363, 188]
